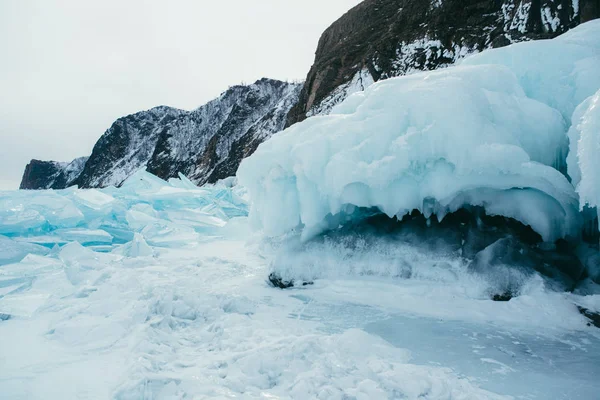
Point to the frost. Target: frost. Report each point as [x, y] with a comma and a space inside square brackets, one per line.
[551, 22]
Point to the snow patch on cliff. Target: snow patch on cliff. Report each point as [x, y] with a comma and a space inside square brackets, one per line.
[361, 80]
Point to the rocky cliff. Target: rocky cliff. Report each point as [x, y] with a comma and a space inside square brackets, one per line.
[51, 174]
[209, 143]
[205, 144]
[379, 39]
[375, 40]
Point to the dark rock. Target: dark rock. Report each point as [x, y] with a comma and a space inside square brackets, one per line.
[590, 9]
[51, 174]
[280, 283]
[593, 317]
[4, 317]
[387, 38]
[39, 174]
[502, 297]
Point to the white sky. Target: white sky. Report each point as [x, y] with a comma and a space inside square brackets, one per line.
[69, 68]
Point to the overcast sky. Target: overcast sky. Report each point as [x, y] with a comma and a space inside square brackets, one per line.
[69, 68]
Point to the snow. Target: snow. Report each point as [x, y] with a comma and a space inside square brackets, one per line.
[259, 110]
[182, 309]
[551, 22]
[519, 22]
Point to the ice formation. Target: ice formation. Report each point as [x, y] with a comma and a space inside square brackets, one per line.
[491, 132]
[146, 210]
[584, 155]
[177, 306]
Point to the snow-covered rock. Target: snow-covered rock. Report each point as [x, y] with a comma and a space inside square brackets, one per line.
[51, 174]
[379, 39]
[206, 144]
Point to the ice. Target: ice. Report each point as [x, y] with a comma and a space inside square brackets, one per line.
[23, 213]
[491, 132]
[84, 236]
[179, 306]
[169, 213]
[583, 160]
[136, 248]
[561, 72]
[93, 198]
[429, 142]
[12, 251]
[81, 265]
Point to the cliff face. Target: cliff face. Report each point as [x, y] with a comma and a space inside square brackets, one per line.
[209, 143]
[51, 174]
[379, 39]
[205, 144]
[125, 147]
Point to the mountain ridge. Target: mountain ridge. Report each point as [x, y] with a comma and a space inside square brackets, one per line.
[167, 140]
[375, 40]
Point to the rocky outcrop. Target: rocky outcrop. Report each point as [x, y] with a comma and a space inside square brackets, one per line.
[209, 143]
[379, 39]
[205, 144]
[51, 174]
[125, 147]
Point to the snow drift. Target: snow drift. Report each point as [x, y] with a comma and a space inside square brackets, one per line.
[491, 132]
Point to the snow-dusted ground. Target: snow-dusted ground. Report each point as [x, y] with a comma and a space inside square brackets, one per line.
[152, 318]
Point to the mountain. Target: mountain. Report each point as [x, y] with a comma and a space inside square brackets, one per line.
[375, 40]
[205, 144]
[379, 39]
[51, 174]
[126, 146]
[209, 143]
